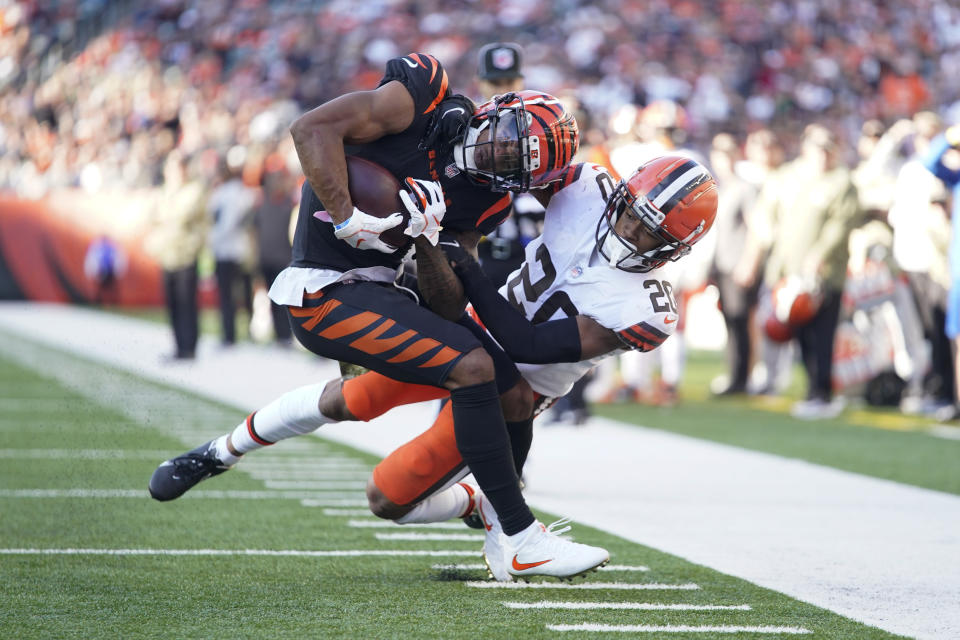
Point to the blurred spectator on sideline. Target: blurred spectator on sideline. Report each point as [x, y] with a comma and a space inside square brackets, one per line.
[178, 236]
[763, 168]
[572, 408]
[943, 160]
[882, 157]
[815, 212]
[272, 221]
[104, 265]
[880, 153]
[231, 239]
[499, 69]
[732, 228]
[921, 236]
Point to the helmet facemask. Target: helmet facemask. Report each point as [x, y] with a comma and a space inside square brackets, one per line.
[620, 252]
[498, 150]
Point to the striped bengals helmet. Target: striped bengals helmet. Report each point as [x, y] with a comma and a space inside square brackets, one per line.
[675, 198]
[530, 139]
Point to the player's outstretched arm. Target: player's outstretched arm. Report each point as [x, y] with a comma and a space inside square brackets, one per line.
[553, 341]
[354, 118]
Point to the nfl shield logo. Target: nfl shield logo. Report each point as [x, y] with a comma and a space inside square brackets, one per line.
[451, 170]
[502, 58]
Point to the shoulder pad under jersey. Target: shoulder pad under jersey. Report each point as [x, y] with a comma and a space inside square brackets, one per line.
[587, 171]
[423, 76]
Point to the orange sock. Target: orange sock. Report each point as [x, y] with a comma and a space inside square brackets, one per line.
[372, 394]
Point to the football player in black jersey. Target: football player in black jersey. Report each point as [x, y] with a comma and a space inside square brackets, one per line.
[457, 162]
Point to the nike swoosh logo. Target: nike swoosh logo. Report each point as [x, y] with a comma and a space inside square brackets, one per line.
[523, 566]
[669, 320]
[410, 63]
[460, 109]
[483, 518]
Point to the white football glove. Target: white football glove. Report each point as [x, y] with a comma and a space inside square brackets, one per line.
[424, 200]
[362, 230]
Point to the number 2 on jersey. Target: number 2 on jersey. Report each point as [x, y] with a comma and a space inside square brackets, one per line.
[661, 295]
[533, 290]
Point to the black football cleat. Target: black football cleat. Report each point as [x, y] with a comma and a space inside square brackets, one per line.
[178, 475]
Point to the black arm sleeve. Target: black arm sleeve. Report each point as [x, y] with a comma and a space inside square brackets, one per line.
[547, 342]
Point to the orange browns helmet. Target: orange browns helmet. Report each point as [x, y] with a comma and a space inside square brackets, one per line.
[675, 198]
[518, 141]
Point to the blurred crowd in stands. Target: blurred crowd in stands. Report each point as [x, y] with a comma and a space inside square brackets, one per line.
[788, 100]
[204, 76]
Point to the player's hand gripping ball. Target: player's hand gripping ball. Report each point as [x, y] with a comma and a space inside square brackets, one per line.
[379, 215]
[424, 200]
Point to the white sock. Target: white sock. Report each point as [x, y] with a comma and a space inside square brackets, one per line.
[455, 502]
[223, 453]
[294, 413]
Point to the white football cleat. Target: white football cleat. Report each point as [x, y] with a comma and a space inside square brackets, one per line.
[542, 552]
[493, 548]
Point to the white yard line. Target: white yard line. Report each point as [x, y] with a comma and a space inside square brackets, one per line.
[86, 454]
[339, 464]
[321, 474]
[388, 524]
[341, 512]
[946, 432]
[313, 500]
[431, 537]
[640, 606]
[316, 485]
[470, 567]
[648, 628]
[340, 553]
[586, 586]
[806, 530]
[313, 496]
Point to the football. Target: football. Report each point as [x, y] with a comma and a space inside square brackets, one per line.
[375, 191]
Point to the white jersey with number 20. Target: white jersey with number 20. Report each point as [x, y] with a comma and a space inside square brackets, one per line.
[564, 275]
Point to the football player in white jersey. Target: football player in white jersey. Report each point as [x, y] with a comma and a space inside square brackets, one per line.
[589, 288]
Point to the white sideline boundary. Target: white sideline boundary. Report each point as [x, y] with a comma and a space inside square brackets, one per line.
[875, 551]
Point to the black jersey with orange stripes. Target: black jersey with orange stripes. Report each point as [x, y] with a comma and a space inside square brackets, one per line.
[469, 207]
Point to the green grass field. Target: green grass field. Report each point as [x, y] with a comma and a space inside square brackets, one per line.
[87, 554]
